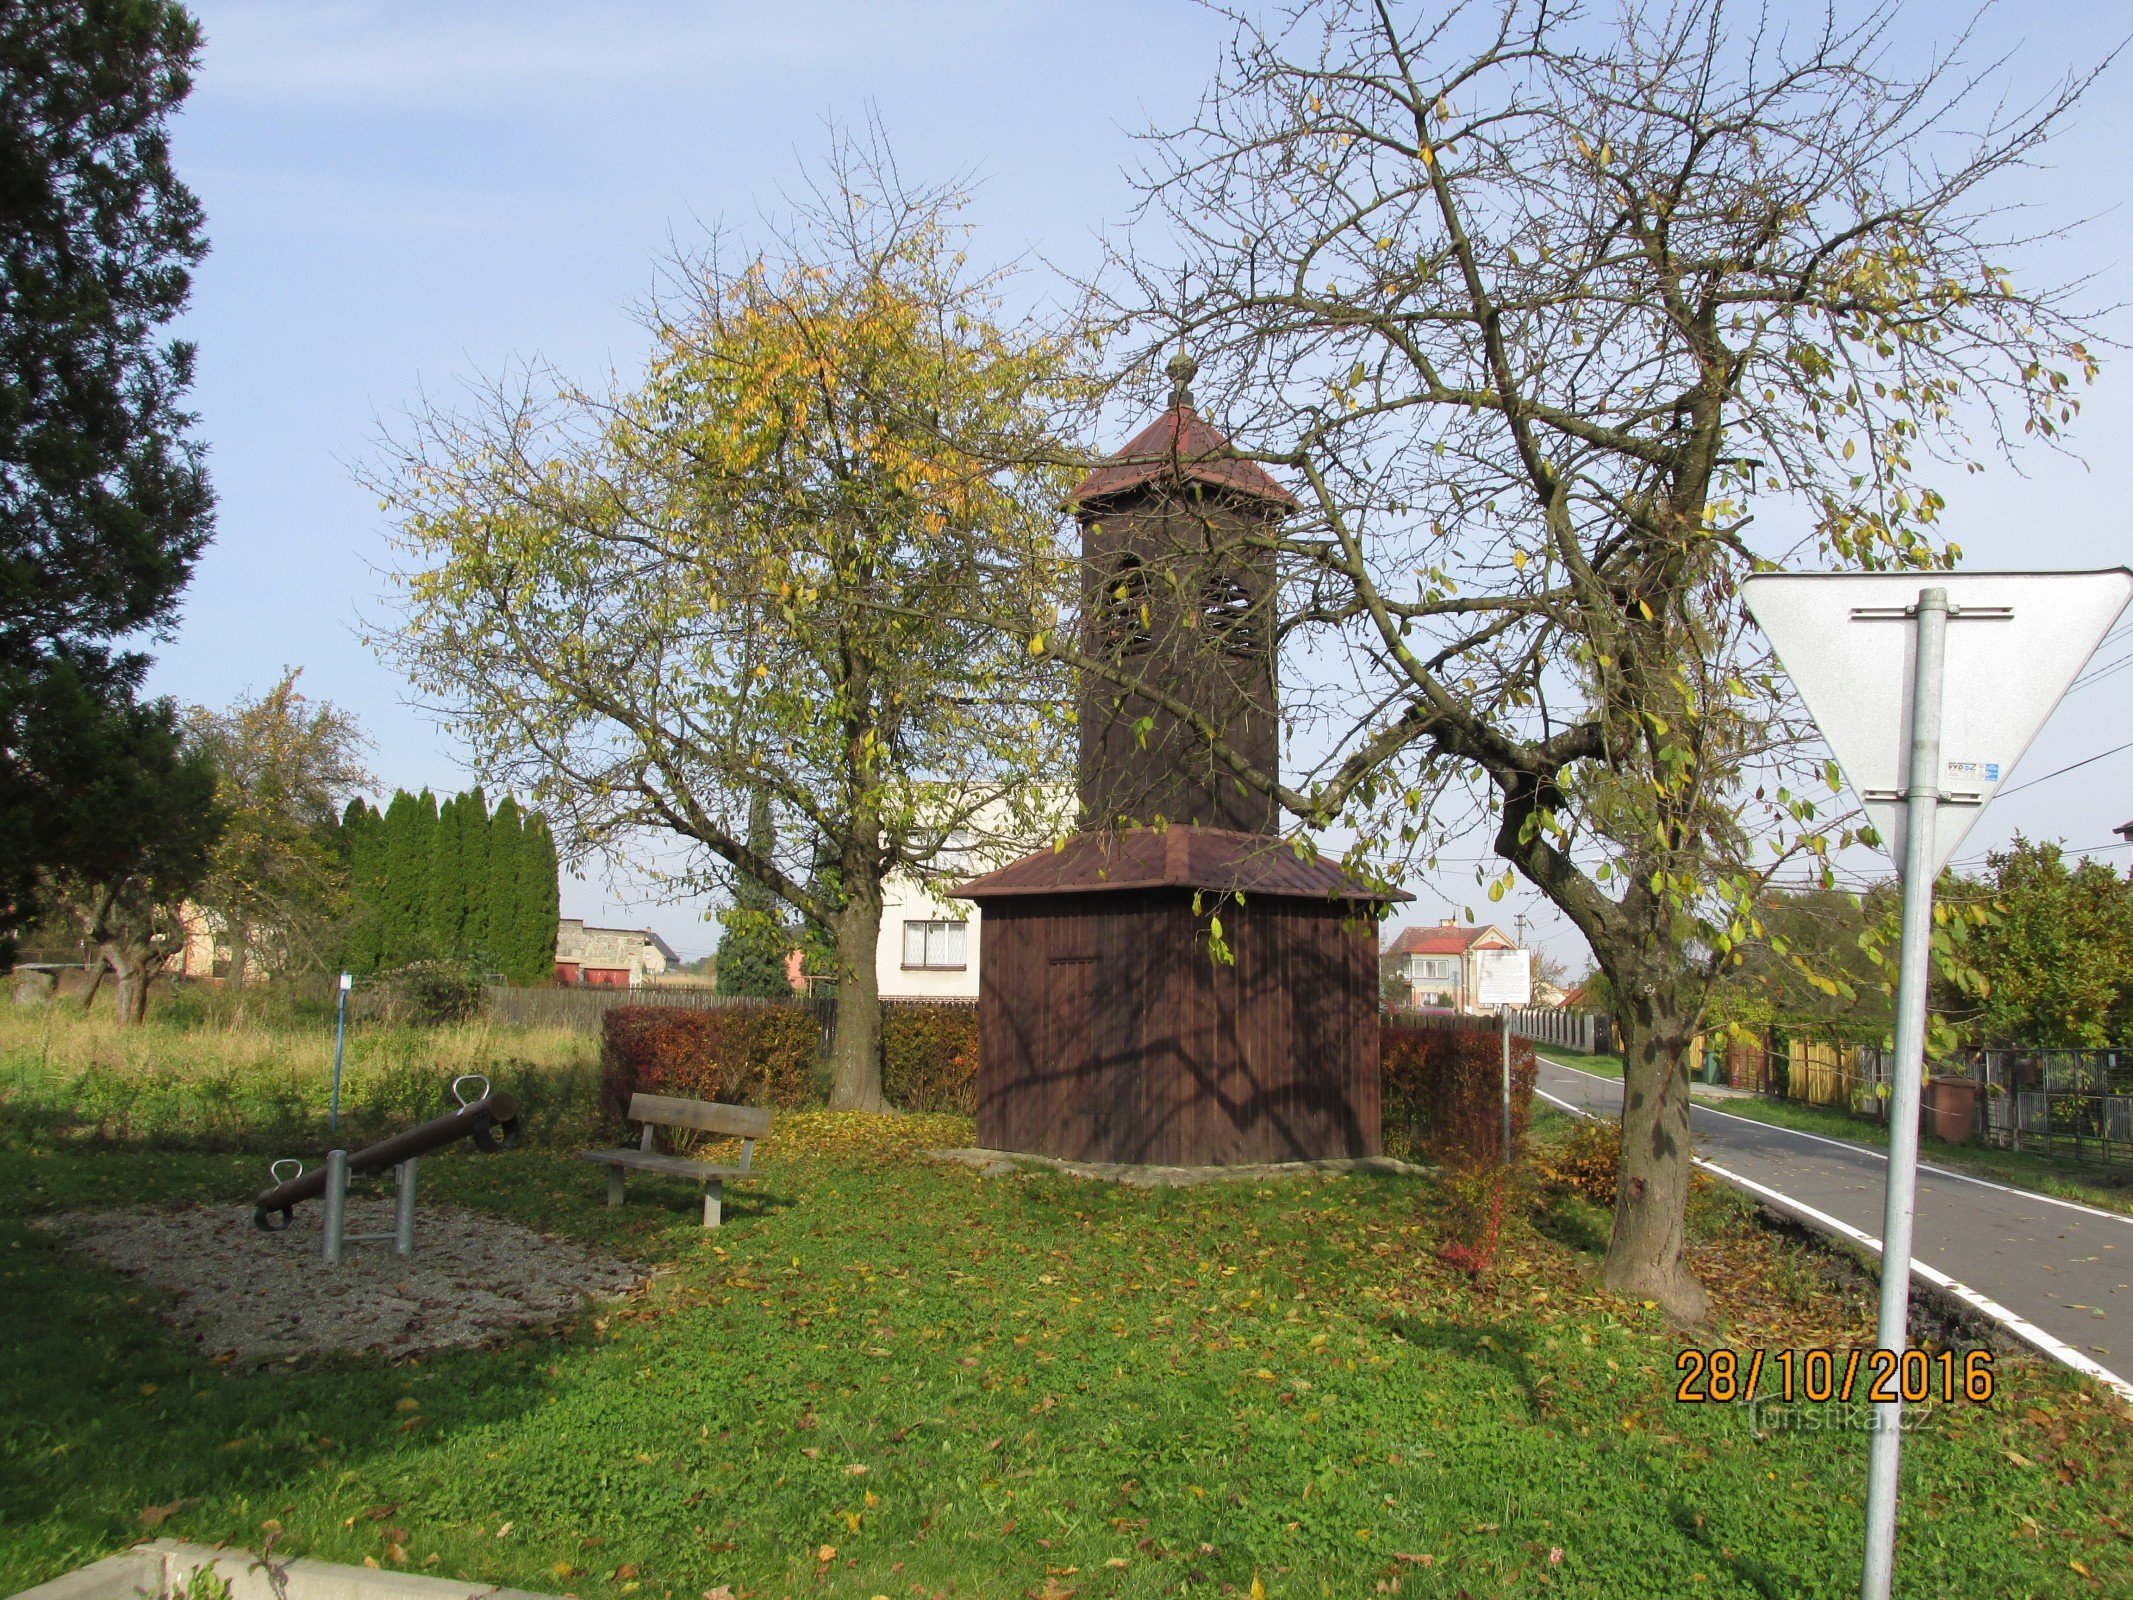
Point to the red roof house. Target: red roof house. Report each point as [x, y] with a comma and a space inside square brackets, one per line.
[1433, 968]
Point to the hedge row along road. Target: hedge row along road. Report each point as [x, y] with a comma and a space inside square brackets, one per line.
[2056, 1273]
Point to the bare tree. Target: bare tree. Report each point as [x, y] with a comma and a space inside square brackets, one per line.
[1535, 304]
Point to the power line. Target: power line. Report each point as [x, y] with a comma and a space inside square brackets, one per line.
[2033, 782]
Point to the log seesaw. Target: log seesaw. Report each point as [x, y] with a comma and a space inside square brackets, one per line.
[489, 1120]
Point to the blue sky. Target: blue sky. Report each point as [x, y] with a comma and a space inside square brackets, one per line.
[401, 197]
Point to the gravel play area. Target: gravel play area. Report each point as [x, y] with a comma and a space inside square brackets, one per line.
[252, 1295]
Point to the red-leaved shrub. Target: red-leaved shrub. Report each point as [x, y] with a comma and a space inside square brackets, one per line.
[929, 1056]
[1442, 1090]
[740, 1055]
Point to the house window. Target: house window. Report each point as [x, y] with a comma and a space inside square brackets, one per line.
[934, 944]
[1438, 968]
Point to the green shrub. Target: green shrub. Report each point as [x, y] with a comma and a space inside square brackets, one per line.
[425, 994]
[1442, 1091]
[929, 1057]
[743, 1055]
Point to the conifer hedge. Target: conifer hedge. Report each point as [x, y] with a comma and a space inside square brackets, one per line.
[454, 882]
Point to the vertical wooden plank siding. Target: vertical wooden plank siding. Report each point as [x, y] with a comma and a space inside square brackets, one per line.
[1107, 1030]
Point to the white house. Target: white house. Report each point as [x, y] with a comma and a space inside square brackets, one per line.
[928, 949]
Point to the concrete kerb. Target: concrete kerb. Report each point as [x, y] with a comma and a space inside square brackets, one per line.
[165, 1568]
[1006, 1163]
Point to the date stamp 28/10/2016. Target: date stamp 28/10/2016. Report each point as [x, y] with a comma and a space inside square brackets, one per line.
[1723, 1376]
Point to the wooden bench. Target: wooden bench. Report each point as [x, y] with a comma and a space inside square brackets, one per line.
[657, 1111]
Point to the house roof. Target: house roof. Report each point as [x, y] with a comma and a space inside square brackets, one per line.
[646, 934]
[1177, 857]
[1442, 940]
[1180, 447]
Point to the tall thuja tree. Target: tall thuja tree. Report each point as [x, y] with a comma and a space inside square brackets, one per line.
[1544, 310]
[752, 939]
[362, 852]
[474, 824]
[444, 892]
[104, 499]
[499, 924]
[410, 823]
[538, 903]
[727, 577]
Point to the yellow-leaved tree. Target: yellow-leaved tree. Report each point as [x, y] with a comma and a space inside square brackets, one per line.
[722, 579]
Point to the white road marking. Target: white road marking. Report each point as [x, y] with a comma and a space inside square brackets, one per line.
[2016, 1324]
[1878, 1155]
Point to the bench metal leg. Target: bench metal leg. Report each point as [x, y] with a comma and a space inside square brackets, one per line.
[614, 1186]
[714, 1203]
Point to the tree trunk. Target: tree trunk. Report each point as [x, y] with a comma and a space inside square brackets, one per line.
[240, 952]
[1652, 1184]
[96, 982]
[132, 969]
[855, 1060]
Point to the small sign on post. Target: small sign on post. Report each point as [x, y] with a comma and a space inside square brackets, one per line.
[1503, 979]
[1929, 688]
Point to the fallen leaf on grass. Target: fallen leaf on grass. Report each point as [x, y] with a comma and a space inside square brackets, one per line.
[722, 1592]
[155, 1516]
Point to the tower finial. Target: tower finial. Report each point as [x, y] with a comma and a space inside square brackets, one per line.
[1182, 369]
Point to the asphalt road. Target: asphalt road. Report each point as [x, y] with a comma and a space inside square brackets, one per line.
[2062, 1268]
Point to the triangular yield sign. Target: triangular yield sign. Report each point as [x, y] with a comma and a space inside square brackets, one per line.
[2015, 643]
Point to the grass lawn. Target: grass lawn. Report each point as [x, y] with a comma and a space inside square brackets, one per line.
[889, 1377]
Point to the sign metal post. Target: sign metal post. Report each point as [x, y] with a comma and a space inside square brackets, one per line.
[1926, 725]
[340, 1035]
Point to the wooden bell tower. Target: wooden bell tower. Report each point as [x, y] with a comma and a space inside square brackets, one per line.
[1112, 1024]
[1178, 590]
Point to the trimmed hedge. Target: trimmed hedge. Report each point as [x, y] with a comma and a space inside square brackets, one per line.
[1442, 1090]
[929, 1056]
[741, 1055]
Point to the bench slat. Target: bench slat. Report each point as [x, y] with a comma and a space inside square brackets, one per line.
[707, 1116]
[674, 1166]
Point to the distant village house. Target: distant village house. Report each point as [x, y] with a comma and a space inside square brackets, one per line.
[1434, 968]
[610, 958]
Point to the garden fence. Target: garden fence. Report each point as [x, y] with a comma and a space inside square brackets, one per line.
[1589, 1033]
[582, 1008]
[2068, 1102]
[2071, 1102]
